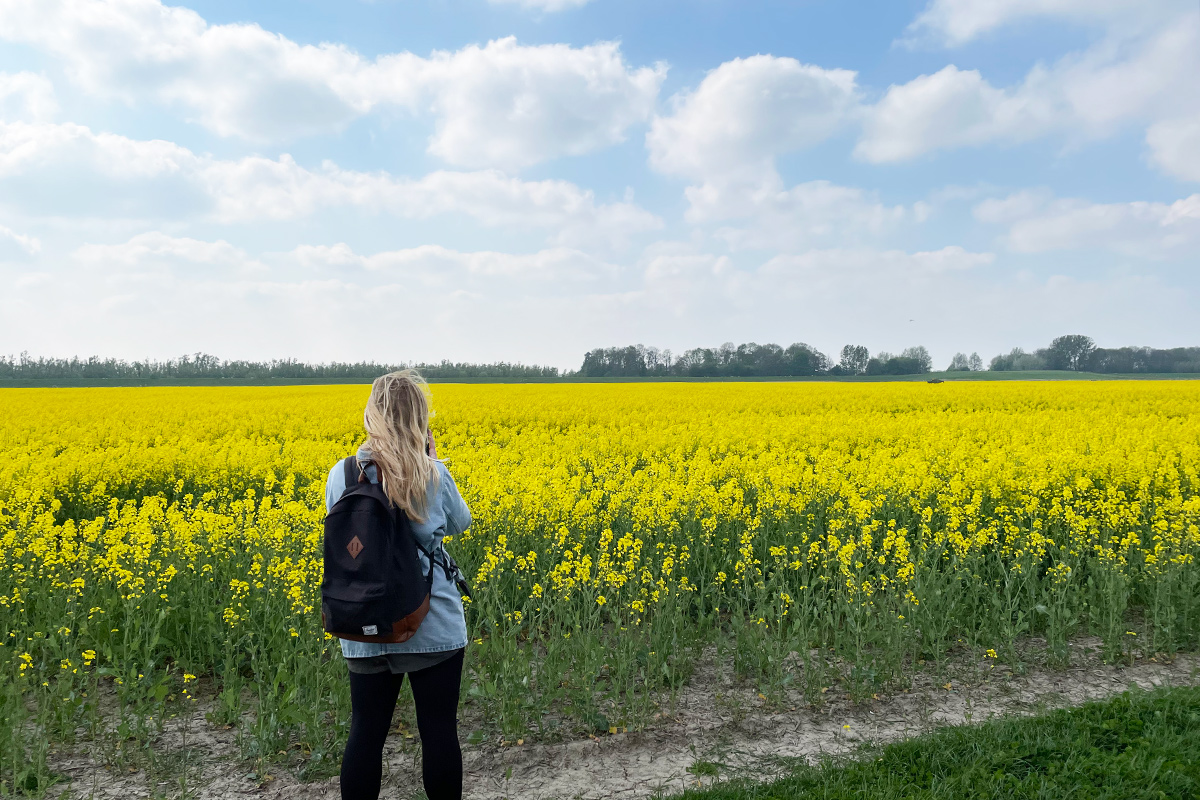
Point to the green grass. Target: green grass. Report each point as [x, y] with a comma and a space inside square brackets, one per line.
[1137, 745]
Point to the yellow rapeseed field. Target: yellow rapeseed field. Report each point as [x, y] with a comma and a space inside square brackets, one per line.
[156, 540]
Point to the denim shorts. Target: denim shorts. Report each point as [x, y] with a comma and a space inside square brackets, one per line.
[398, 663]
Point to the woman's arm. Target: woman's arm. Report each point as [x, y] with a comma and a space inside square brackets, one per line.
[458, 516]
[335, 484]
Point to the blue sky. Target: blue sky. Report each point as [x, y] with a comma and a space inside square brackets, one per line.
[528, 179]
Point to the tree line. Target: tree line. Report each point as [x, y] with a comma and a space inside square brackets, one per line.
[202, 366]
[748, 360]
[726, 361]
[1074, 352]
[1081, 354]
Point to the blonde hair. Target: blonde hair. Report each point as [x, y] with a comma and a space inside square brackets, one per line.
[397, 423]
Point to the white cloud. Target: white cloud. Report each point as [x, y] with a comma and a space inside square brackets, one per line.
[432, 304]
[1175, 147]
[430, 265]
[745, 113]
[543, 5]
[501, 104]
[1132, 74]
[838, 265]
[806, 215]
[13, 244]
[679, 270]
[824, 296]
[950, 108]
[1018, 205]
[155, 249]
[956, 22]
[726, 135]
[26, 96]
[513, 106]
[157, 295]
[949, 299]
[153, 179]
[430, 262]
[1038, 223]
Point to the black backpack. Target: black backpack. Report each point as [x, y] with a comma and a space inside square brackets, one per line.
[373, 589]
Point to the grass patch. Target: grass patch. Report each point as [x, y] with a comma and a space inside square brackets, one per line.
[1137, 745]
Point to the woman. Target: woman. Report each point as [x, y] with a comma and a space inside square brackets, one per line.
[401, 452]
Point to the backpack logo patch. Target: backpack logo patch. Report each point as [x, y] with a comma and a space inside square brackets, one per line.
[355, 547]
[370, 630]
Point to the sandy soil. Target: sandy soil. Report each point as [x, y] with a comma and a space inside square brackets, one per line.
[715, 721]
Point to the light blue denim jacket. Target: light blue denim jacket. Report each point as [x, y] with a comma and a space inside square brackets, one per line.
[446, 514]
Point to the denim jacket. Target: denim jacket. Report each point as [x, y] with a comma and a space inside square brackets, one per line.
[446, 514]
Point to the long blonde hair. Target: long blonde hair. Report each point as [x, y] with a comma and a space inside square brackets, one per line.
[397, 423]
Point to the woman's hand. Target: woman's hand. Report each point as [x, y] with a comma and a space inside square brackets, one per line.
[431, 446]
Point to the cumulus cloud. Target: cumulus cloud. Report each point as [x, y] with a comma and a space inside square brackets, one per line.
[679, 296]
[431, 262]
[429, 265]
[1175, 147]
[726, 134]
[957, 22]
[1132, 74]
[508, 105]
[501, 104]
[808, 292]
[157, 291]
[26, 96]
[1037, 223]
[135, 178]
[839, 265]
[542, 5]
[950, 108]
[158, 250]
[745, 113]
[809, 214]
[16, 245]
[680, 277]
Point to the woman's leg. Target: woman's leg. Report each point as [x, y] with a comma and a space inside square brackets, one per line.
[372, 701]
[435, 694]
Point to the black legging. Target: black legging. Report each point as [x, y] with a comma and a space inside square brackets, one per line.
[373, 699]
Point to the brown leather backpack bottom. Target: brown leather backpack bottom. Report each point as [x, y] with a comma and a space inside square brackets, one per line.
[402, 630]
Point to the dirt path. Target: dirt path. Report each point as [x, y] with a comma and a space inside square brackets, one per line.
[714, 722]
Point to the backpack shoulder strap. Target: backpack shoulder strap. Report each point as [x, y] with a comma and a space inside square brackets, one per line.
[350, 470]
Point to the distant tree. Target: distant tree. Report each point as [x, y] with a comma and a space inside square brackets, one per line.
[1004, 362]
[728, 360]
[854, 359]
[1018, 359]
[801, 359]
[698, 362]
[887, 364]
[1031, 361]
[1070, 352]
[1063, 352]
[960, 363]
[1144, 359]
[975, 364]
[921, 356]
[615, 361]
